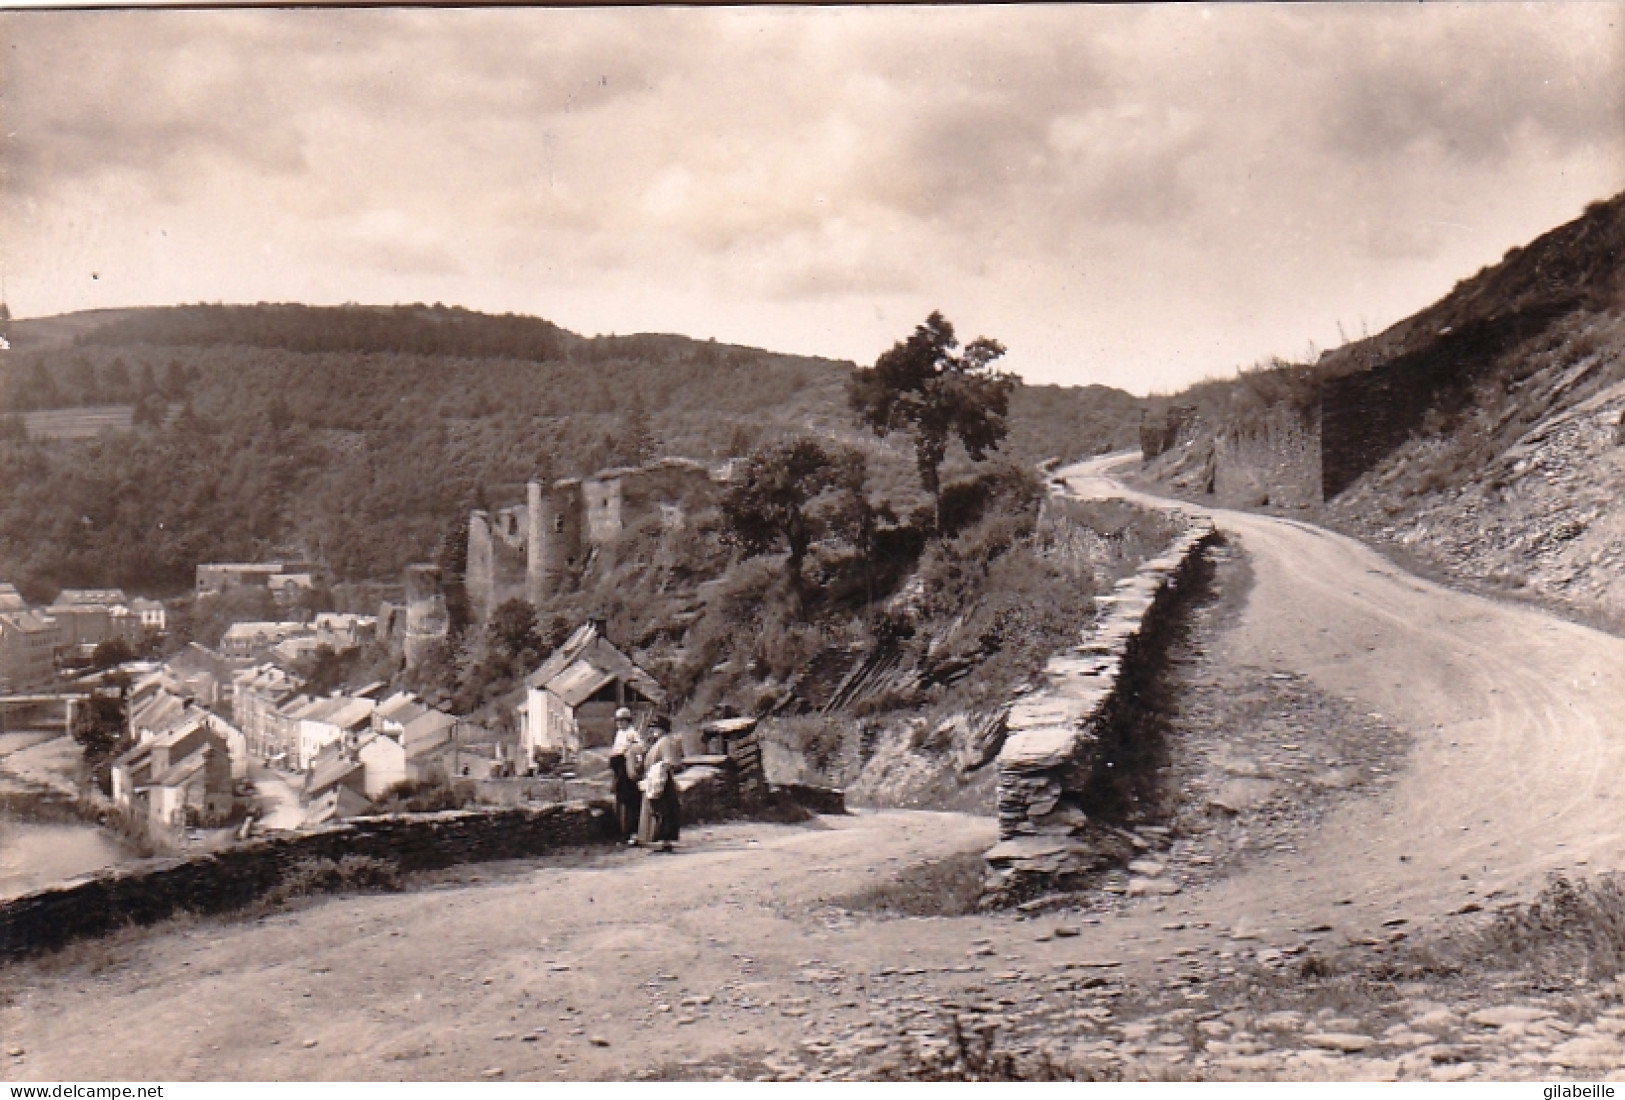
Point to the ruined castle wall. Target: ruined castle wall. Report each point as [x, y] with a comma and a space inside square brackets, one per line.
[497, 559]
[1053, 748]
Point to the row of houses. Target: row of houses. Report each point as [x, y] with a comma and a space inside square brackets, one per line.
[292, 641]
[187, 764]
[283, 579]
[35, 642]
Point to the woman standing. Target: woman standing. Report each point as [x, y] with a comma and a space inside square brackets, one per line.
[626, 762]
[662, 808]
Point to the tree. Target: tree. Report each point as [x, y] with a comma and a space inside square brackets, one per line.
[771, 506]
[637, 445]
[110, 653]
[922, 386]
[512, 632]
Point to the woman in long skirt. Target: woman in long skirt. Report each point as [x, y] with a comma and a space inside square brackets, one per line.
[626, 763]
[661, 821]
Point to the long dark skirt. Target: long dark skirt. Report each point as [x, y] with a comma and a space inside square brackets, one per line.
[661, 818]
[628, 799]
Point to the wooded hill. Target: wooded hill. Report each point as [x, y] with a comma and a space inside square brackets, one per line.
[359, 436]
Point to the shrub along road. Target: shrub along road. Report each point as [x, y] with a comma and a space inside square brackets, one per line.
[746, 954]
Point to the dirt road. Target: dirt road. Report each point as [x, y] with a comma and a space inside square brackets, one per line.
[1518, 765]
[612, 964]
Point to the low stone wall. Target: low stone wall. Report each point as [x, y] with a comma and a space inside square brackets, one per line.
[229, 879]
[1052, 751]
[236, 876]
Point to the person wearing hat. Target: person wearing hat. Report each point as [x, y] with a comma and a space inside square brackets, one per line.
[626, 763]
[659, 823]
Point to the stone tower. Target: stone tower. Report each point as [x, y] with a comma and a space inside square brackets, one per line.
[555, 543]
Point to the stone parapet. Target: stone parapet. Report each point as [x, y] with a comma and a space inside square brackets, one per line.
[236, 876]
[1052, 749]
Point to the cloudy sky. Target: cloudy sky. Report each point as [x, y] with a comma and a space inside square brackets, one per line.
[1134, 196]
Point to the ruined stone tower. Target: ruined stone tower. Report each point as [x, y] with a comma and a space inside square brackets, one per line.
[555, 546]
[427, 620]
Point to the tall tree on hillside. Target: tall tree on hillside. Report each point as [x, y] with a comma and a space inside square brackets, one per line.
[771, 506]
[637, 445]
[925, 387]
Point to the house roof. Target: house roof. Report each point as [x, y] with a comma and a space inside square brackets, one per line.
[562, 657]
[351, 713]
[330, 772]
[251, 632]
[585, 663]
[401, 707]
[11, 599]
[186, 770]
[336, 804]
[576, 684]
[299, 706]
[138, 760]
[90, 597]
[159, 714]
[29, 622]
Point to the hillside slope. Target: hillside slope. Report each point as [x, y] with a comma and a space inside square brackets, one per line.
[1485, 434]
[360, 436]
[1515, 471]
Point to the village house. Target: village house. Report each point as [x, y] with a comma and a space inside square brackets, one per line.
[28, 642]
[255, 641]
[408, 741]
[214, 578]
[258, 695]
[330, 721]
[570, 701]
[154, 618]
[198, 672]
[154, 711]
[87, 617]
[11, 599]
[342, 632]
[179, 777]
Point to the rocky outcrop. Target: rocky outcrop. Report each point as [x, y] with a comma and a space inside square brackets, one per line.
[1053, 749]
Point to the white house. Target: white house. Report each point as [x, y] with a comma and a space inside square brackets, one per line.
[328, 721]
[570, 701]
[407, 741]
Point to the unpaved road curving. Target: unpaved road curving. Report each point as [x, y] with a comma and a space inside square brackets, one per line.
[1518, 764]
[1518, 768]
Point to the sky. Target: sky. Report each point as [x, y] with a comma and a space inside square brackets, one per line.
[1134, 196]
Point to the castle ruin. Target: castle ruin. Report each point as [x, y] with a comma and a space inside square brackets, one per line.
[540, 548]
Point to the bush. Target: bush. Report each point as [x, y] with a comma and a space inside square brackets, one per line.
[1572, 928]
[353, 874]
[426, 796]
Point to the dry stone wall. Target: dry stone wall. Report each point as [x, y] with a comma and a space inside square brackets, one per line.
[1053, 746]
[235, 876]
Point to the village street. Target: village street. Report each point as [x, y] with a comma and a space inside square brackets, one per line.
[606, 965]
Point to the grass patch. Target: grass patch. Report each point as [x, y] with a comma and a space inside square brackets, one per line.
[1573, 928]
[947, 887]
[353, 874]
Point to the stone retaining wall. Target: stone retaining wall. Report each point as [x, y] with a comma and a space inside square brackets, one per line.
[236, 876]
[1052, 749]
[229, 879]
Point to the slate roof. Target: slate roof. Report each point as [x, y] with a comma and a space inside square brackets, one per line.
[584, 664]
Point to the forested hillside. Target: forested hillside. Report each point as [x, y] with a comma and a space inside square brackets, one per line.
[360, 436]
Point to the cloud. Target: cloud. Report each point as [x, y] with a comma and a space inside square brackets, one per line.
[1066, 177]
